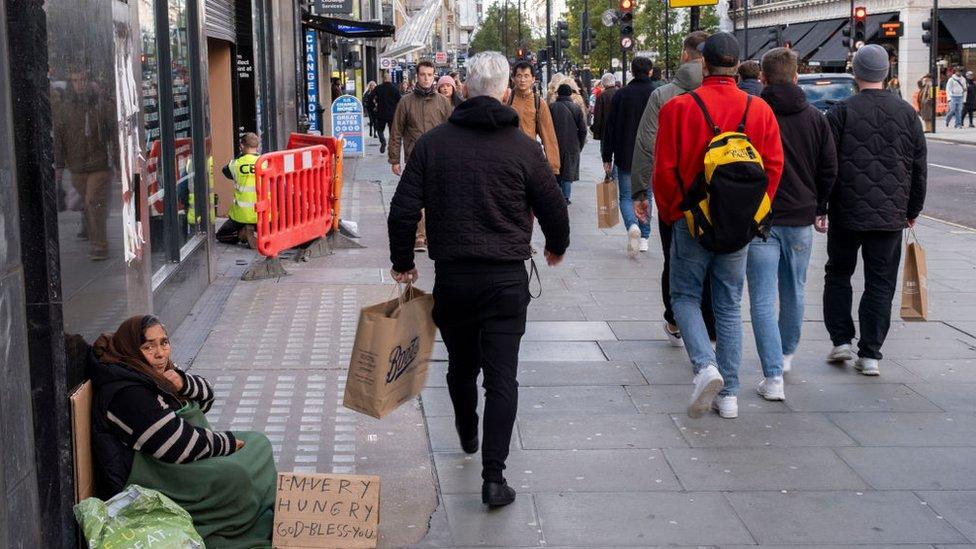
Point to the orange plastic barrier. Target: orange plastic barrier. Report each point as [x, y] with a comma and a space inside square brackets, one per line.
[294, 189]
[298, 140]
[941, 105]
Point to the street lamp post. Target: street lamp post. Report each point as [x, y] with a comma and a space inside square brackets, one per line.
[549, 44]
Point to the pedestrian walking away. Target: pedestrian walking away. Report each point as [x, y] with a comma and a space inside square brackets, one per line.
[617, 146]
[386, 98]
[687, 124]
[687, 78]
[602, 106]
[880, 190]
[242, 218]
[956, 88]
[480, 228]
[970, 97]
[926, 96]
[570, 127]
[534, 116]
[776, 268]
[749, 78]
[416, 114]
[369, 105]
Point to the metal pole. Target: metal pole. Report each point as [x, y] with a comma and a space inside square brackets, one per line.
[694, 18]
[519, 22]
[745, 33]
[667, 40]
[505, 39]
[936, 76]
[549, 45]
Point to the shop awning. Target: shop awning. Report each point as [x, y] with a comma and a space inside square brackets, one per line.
[347, 27]
[415, 34]
[961, 24]
[820, 33]
[834, 53]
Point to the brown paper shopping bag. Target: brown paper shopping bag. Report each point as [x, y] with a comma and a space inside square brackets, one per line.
[914, 290]
[607, 204]
[389, 359]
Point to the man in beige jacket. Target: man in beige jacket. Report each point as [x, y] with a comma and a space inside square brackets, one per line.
[417, 113]
[534, 117]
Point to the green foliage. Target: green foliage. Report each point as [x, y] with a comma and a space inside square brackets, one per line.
[491, 35]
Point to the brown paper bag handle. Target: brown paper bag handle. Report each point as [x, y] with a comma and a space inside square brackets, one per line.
[912, 235]
[402, 290]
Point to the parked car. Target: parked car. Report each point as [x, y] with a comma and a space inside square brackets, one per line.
[825, 89]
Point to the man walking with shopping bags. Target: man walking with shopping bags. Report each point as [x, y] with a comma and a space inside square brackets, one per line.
[479, 229]
[880, 190]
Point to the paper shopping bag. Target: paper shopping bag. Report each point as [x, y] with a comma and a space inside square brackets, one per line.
[607, 204]
[914, 290]
[389, 360]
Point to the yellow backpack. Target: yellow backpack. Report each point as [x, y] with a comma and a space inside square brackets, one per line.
[727, 205]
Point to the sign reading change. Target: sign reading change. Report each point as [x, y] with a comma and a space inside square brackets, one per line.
[326, 511]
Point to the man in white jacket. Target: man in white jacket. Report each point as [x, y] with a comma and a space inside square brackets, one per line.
[956, 90]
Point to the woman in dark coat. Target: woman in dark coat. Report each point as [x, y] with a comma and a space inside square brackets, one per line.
[970, 105]
[369, 105]
[570, 127]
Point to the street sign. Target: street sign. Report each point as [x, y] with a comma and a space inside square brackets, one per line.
[386, 63]
[690, 3]
[347, 124]
[333, 7]
[892, 29]
[440, 57]
[312, 80]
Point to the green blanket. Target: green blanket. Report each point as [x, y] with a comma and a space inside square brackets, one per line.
[230, 498]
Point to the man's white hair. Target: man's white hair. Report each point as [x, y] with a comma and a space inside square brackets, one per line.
[608, 80]
[487, 74]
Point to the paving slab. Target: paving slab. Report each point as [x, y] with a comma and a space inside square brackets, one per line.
[559, 373]
[727, 469]
[841, 517]
[620, 519]
[882, 397]
[951, 397]
[473, 524]
[443, 436]
[583, 431]
[642, 350]
[540, 471]
[899, 468]
[753, 430]
[908, 429]
[544, 350]
[674, 399]
[534, 401]
[567, 331]
[958, 508]
[942, 370]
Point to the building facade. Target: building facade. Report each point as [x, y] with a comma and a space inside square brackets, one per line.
[815, 32]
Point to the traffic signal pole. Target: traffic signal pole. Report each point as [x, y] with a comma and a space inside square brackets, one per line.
[935, 64]
[549, 44]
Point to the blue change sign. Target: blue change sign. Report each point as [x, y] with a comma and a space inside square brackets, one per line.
[312, 81]
[347, 124]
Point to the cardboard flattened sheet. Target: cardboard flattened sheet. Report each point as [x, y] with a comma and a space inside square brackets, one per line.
[81, 410]
[326, 511]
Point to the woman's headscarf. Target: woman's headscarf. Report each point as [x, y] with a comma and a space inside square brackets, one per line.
[123, 347]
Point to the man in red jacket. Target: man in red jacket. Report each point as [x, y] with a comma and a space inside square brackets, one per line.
[682, 138]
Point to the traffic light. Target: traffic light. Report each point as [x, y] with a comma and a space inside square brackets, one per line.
[562, 39]
[860, 20]
[776, 35]
[626, 24]
[590, 39]
[927, 35]
[847, 35]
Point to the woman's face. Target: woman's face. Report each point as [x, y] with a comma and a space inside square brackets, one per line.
[446, 90]
[156, 348]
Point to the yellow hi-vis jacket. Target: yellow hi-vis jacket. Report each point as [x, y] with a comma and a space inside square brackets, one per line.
[245, 192]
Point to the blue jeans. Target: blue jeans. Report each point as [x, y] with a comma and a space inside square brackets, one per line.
[955, 110]
[627, 205]
[567, 187]
[778, 266]
[690, 263]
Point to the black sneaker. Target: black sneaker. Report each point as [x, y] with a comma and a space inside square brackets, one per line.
[497, 494]
[469, 445]
[382, 148]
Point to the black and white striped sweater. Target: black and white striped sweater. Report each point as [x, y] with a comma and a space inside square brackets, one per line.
[147, 423]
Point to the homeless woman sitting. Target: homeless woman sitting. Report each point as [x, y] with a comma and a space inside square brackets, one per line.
[149, 428]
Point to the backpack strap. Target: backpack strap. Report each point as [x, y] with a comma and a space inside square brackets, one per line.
[537, 101]
[742, 125]
[511, 97]
[708, 118]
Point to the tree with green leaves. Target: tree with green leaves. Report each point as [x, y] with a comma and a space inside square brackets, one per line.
[491, 35]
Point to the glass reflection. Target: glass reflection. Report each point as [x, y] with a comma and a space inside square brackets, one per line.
[187, 218]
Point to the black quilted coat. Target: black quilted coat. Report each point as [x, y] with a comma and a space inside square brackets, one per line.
[480, 179]
[881, 157]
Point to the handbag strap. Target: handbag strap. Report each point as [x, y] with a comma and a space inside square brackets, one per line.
[534, 270]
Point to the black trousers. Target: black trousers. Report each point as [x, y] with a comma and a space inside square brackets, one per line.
[230, 232]
[665, 231]
[881, 251]
[380, 127]
[480, 309]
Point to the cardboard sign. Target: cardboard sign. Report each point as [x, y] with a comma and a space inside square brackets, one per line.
[326, 511]
[81, 411]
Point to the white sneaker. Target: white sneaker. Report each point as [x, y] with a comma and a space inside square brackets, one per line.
[633, 242]
[841, 353]
[727, 406]
[708, 382]
[787, 363]
[674, 336]
[867, 366]
[771, 388]
[643, 244]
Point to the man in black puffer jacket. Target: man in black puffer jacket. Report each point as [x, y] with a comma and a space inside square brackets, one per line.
[880, 190]
[480, 179]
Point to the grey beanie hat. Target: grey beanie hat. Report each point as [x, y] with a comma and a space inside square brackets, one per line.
[871, 63]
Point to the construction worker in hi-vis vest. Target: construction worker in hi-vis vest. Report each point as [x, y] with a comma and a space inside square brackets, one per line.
[243, 218]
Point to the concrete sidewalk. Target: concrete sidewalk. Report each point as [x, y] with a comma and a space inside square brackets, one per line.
[965, 135]
[604, 455]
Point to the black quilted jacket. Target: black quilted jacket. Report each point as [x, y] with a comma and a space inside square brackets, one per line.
[881, 157]
[480, 179]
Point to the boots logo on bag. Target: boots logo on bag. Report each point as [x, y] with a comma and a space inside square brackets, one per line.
[401, 359]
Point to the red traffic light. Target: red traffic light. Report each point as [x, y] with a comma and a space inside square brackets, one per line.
[626, 5]
[860, 13]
